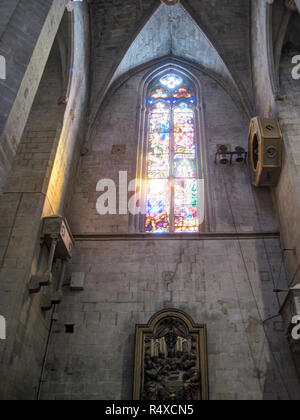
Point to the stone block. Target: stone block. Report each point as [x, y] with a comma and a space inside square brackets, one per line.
[77, 281]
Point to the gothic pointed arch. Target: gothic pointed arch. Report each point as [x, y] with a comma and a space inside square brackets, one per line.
[172, 157]
[282, 22]
[171, 31]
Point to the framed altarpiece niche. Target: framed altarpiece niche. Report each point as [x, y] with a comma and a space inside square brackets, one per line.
[170, 359]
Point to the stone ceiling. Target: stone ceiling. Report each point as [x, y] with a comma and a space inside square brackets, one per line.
[125, 34]
[172, 31]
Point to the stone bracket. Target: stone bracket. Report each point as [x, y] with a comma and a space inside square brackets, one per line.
[57, 236]
[48, 302]
[39, 280]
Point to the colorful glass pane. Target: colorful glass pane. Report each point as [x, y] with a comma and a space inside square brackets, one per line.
[185, 192]
[171, 81]
[185, 168]
[179, 138]
[159, 142]
[182, 93]
[158, 206]
[185, 220]
[184, 143]
[185, 206]
[159, 93]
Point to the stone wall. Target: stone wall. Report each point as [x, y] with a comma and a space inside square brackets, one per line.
[25, 43]
[6, 11]
[284, 105]
[261, 60]
[288, 191]
[118, 124]
[173, 31]
[28, 196]
[286, 195]
[224, 278]
[116, 25]
[224, 282]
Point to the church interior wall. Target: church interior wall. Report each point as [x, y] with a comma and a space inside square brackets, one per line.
[287, 192]
[56, 144]
[26, 60]
[226, 283]
[35, 188]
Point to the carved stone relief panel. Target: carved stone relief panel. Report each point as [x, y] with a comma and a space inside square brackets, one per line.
[170, 359]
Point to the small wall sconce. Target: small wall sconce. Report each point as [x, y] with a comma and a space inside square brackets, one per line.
[224, 155]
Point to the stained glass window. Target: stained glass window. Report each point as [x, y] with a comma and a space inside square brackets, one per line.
[171, 81]
[171, 199]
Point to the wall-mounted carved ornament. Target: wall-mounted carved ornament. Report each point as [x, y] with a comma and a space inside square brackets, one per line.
[170, 359]
[56, 234]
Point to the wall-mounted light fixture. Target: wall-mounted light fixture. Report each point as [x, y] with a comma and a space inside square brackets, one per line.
[224, 155]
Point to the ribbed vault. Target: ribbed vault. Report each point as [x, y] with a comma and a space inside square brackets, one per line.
[172, 31]
[128, 34]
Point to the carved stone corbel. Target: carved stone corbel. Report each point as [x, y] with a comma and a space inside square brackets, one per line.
[55, 297]
[57, 236]
[45, 279]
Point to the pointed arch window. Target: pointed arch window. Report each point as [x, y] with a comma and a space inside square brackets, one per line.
[172, 157]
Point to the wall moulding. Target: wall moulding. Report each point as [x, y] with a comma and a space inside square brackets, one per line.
[228, 236]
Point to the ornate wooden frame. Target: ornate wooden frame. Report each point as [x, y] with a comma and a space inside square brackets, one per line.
[197, 336]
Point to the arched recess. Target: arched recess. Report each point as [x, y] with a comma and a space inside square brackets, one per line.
[172, 31]
[279, 18]
[27, 182]
[196, 72]
[275, 37]
[28, 58]
[65, 41]
[47, 115]
[138, 221]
